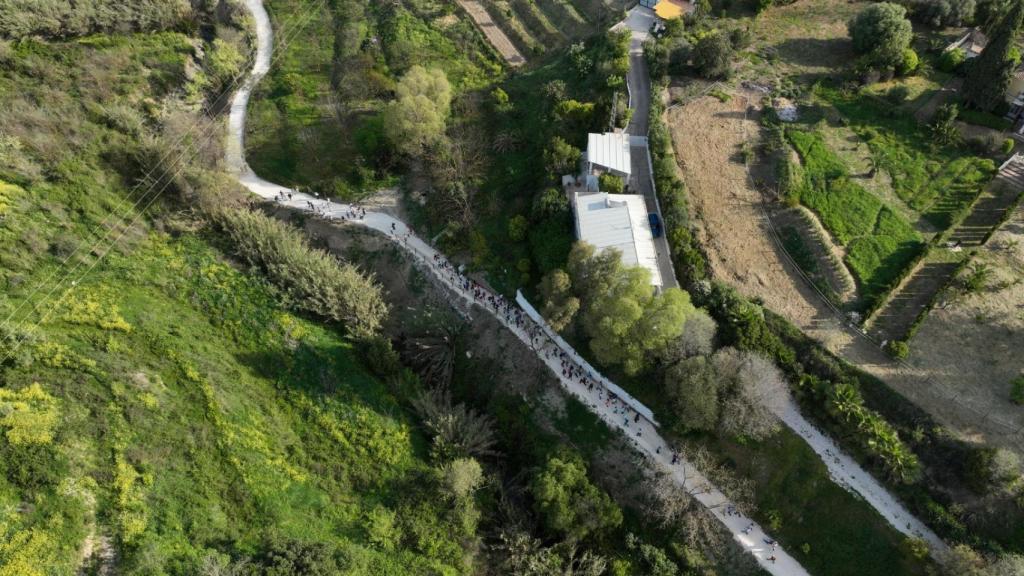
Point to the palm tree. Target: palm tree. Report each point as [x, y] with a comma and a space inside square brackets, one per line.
[457, 430]
[432, 354]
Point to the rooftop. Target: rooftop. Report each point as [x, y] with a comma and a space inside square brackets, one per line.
[609, 150]
[618, 221]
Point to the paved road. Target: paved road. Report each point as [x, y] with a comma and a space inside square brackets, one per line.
[638, 22]
[526, 325]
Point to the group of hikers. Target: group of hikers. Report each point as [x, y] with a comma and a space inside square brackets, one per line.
[572, 372]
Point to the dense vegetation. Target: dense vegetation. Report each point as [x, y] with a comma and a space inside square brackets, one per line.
[880, 243]
[63, 19]
[168, 411]
[316, 120]
[939, 181]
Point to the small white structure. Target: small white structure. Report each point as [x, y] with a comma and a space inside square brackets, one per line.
[618, 221]
[972, 43]
[609, 153]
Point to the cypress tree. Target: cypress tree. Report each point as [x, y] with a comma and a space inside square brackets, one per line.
[990, 74]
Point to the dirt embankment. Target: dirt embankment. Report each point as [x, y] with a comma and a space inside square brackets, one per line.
[708, 137]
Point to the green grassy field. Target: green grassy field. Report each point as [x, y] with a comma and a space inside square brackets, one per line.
[936, 181]
[879, 242]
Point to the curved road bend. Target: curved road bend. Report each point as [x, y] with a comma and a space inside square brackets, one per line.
[747, 534]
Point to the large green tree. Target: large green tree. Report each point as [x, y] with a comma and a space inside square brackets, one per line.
[712, 55]
[417, 117]
[881, 32]
[989, 75]
[628, 323]
[569, 504]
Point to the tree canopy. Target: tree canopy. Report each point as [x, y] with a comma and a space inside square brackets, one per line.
[569, 504]
[881, 32]
[712, 55]
[989, 75]
[419, 113]
[628, 324]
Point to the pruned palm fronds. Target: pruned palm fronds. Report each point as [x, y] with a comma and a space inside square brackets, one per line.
[432, 354]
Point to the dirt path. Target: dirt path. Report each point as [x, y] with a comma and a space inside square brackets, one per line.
[494, 35]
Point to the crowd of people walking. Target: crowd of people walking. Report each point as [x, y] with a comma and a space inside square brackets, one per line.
[576, 375]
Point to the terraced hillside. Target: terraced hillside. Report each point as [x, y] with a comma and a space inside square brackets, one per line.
[540, 26]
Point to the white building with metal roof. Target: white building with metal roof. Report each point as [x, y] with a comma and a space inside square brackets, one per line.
[609, 152]
[618, 221]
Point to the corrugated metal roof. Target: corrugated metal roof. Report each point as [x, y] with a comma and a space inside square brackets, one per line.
[618, 221]
[609, 150]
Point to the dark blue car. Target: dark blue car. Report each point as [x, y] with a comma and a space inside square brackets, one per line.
[655, 224]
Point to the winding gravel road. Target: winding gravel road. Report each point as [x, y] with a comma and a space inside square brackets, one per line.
[745, 532]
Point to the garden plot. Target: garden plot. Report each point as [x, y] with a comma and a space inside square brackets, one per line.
[879, 242]
[864, 170]
[939, 182]
[494, 35]
[502, 14]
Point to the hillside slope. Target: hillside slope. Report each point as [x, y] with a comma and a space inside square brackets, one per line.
[166, 414]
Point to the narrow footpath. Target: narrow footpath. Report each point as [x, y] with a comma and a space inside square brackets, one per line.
[578, 380]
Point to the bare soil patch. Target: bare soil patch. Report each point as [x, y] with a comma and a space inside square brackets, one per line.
[708, 136]
[494, 35]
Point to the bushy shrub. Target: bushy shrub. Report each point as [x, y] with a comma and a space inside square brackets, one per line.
[310, 279]
[951, 60]
[568, 503]
[908, 63]
[898, 349]
[610, 183]
[1017, 390]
